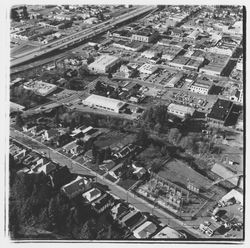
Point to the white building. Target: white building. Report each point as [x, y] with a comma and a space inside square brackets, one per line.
[201, 87]
[40, 87]
[233, 194]
[168, 233]
[92, 194]
[145, 230]
[103, 64]
[180, 110]
[147, 69]
[104, 103]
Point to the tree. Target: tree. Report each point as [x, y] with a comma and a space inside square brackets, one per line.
[25, 13]
[155, 167]
[174, 136]
[142, 138]
[19, 120]
[14, 15]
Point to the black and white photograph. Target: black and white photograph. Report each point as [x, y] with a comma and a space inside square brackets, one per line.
[125, 123]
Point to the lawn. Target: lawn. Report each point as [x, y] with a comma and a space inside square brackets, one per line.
[127, 183]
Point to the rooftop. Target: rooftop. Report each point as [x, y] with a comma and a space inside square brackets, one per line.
[220, 110]
[145, 230]
[168, 233]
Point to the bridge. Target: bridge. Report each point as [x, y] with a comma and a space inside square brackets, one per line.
[79, 36]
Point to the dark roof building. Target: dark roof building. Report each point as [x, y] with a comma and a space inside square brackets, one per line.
[220, 112]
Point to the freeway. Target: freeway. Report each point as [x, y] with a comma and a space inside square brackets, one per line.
[81, 169]
[79, 36]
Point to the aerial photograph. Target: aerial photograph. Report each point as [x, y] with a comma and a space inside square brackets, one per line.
[126, 123]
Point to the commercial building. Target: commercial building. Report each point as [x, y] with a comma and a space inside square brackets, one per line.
[200, 87]
[105, 103]
[225, 173]
[180, 110]
[147, 69]
[145, 230]
[40, 87]
[134, 46]
[103, 64]
[179, 62]
[145, 35]
[168, 233]
[220, 112]
[217, 65]
[233, 194]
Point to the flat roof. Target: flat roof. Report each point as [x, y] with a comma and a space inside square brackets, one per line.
[178, 107]
[104, 60]
[145, 230]
[220, 110]
[168, 233]
[104, 101]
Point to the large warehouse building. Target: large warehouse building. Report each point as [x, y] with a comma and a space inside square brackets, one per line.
[104, 103]
[103, 64]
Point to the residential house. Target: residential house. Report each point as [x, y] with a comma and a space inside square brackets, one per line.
[73, 148]
[102, 203]
[50, 134]
[92, 195]
[76, 187]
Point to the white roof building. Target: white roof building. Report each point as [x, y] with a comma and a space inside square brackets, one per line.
[145, 230]
[168, 233]
[147, 69]
[180, 110]
[233, 194]
[104, 63]
[105, 103]
[92, 194]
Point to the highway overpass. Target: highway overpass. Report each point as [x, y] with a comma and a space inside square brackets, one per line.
[79, 36]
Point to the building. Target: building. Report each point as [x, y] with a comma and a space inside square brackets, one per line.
[179, 62]
[145, 35]
[132, 219]
[73, 148]
[193, 35]
[14, 107]
[147, 69]
[151, 53]
[201, 87]
[76, 187]
[145, 230]
[226, 173]
[104, 103]
[174, 80]
[233, 194]
[168, 233]
[220, 112]
[209, 228]
[17, 152]
[40, 88]
[92, 194]
[50, 134]
[120, 210]
[180, 110]
[102, 203]
[104, 64]
[134, 46]
[47, 168]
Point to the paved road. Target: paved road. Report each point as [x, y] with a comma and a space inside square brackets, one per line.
[78, 168]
